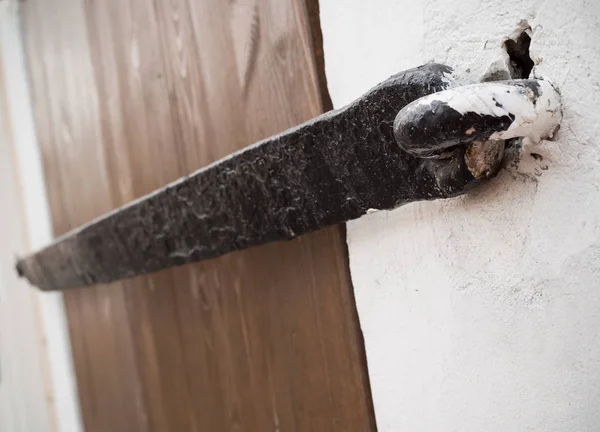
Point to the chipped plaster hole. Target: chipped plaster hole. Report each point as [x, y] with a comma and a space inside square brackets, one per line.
[517, 48]
[520, 66]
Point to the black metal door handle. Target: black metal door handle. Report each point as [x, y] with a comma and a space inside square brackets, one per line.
[392, 146]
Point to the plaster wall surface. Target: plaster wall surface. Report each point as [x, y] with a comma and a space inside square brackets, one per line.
[482, 312]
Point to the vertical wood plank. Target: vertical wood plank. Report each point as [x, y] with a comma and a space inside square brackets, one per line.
[131, 94]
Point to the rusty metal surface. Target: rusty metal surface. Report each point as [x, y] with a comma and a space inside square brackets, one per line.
[390, 147]
[326, 171]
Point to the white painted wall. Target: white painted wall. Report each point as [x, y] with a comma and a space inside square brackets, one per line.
[37, 383]
[482, 312]
[24, 402]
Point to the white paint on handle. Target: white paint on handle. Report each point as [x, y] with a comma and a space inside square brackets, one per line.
[535, 116]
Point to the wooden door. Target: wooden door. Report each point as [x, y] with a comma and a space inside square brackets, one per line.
[131, 94]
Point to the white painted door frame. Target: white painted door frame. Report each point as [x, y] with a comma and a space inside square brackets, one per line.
[37, 384]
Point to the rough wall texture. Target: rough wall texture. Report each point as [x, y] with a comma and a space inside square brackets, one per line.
[482, 312]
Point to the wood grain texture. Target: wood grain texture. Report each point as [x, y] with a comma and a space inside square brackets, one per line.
[131, 94]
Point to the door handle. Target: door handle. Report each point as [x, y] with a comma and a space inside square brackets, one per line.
[416, 136]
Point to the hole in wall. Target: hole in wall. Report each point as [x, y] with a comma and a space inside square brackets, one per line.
[517, 48]
[520, 65]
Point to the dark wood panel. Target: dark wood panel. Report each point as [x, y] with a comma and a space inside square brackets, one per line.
[131, 94]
